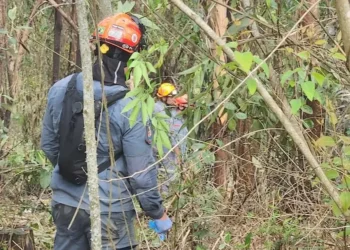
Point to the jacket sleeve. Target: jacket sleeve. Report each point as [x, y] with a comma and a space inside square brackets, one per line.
[49, 139]
[138, 155]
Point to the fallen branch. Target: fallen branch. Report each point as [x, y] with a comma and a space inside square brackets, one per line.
[300, 142]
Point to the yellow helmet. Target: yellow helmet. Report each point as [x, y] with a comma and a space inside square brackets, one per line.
[166, 89]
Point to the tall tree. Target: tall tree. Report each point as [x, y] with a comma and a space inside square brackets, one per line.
[57, 45]
[343, 10]
[89, 125]
[218, 21]
[4, 113]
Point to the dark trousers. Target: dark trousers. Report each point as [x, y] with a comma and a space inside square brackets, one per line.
[117, 229]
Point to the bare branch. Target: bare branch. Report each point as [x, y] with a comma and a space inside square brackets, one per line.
[64, 15]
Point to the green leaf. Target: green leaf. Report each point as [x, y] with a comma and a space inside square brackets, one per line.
[325, 141]
[3, 31]
[309, 89]
[137, 73]
[190, 70]
[345, 139]
[150, 105]
[318, 77]
[230, 106]
[150, 67]
[134, 56]
[134, 114]
[331, 174]
[232, 125]
[335, 208]
[144, 113]
[165, 139]
[307, 109]
[346, 181]
[148, 23]
[251, 84]
[241, 116]
[320, 42]
[222, 246]
[133, 92]
[296, 105]
[12, 13]
[339, 56]
[228, 238]
[232, 45]
[196, 118]
[145, 74]
[130, 105]
[347, 150]
[159, 146]
[165, 125]
[248, 240]
[305, 55]
[244, 60]
[345, 200]
[197, 146]
[286, 76]
[264, 66]
[126, 7]
[45, 178]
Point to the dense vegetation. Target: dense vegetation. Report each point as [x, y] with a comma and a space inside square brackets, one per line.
[245, 183]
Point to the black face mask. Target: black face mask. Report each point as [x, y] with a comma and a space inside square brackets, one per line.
[113, 70]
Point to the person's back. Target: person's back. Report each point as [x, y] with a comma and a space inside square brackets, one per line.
[132, 143]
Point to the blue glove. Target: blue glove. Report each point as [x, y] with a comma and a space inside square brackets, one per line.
[161, 227]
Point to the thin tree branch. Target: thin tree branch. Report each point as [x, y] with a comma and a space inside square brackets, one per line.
[64, 15]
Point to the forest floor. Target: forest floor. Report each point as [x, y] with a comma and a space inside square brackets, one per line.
[201, 223]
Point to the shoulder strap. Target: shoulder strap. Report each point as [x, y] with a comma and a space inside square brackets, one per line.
[72, 82]
[111, 99]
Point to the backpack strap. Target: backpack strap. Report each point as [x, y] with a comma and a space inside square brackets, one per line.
[72, 82]
[111, 100]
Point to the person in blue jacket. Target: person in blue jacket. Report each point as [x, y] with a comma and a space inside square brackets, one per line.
[120, 35]
[170, 104]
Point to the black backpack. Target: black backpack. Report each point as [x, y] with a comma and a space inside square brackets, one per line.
[72, 152]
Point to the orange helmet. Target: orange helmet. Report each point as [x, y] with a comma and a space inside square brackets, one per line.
[166, 89]
[121, 30]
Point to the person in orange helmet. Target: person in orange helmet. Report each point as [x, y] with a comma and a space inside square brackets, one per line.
[168, 100]
[119, 35]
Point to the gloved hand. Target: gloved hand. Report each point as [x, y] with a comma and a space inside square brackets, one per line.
[161, 226]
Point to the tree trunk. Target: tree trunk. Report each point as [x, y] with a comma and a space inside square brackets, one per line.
[57, 46]
[4, 87]
[318, 116]
[300, 142]
[89, 126]
[343, 11]
[218, 21]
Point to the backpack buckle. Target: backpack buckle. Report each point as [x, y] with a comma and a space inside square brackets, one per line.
[77, 107]
[77, 180]
[81, 147]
